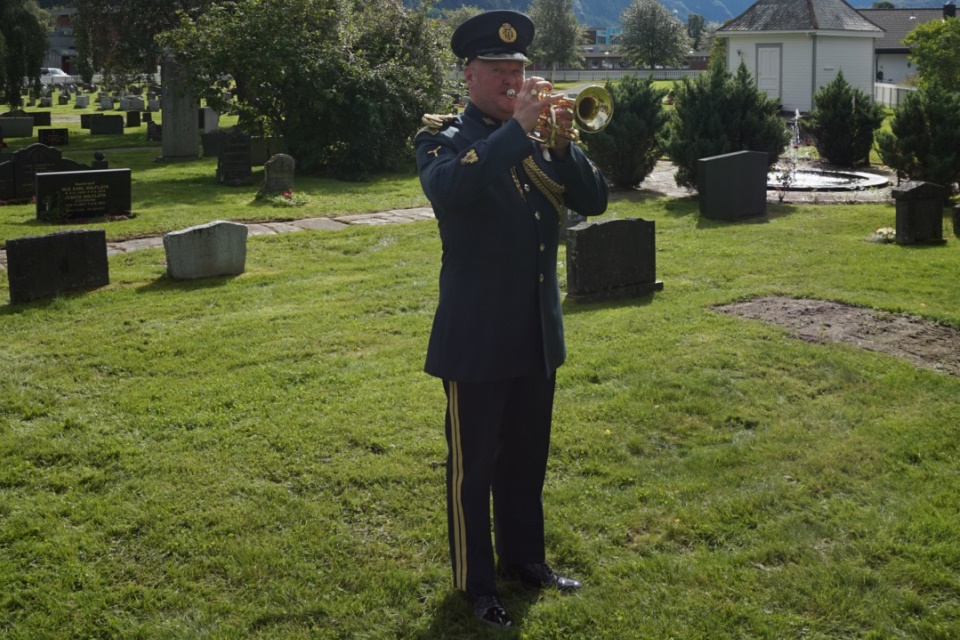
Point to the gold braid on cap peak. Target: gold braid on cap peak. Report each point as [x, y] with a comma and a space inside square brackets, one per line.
[434, 122]
[552, 190]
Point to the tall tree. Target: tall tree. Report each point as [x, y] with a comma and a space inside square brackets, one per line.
[558, 34]
[23, 45]
[934, 47]
[696, 27]
[119, 36]
[344, 81]
[652, 36]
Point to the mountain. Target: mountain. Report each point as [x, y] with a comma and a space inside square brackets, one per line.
[606, 13]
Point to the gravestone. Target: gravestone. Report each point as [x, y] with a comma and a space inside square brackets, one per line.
[210, 142]
[45, 103]
[146, 116]
[154, 132]
[180, 139]
[40, 118]
[63, 99]
[85, 119]
[42, 266]
[82, 102]
[733, 185]
[209, 120]
[919, 212]
[131, 103]
[71, 195]
[54, 137]
[106, 103]
[18, 175]
[233, 163]
[612, 259]
[16, 127]
[278, 174]
[133, 119]
[153, 105]
[215, 249]
[106, 125]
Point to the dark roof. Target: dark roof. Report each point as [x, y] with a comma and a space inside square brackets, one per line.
[800, 15]
[897, 23]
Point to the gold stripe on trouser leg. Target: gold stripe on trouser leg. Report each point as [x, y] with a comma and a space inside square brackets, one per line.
[459, 526]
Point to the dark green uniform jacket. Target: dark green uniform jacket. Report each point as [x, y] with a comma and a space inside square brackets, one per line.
[499, 311]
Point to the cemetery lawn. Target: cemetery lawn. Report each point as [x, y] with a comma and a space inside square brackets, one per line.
[262, 457]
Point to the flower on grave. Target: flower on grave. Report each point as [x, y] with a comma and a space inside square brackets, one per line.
[884, 235]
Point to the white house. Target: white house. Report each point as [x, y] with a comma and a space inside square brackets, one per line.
[794, 47]
[891, 63]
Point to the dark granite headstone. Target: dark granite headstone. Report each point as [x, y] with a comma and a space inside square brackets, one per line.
[133, 119]
[612, 259]
[68, 195]
[54, 137]
[211, 143]
[146, 116]
[154, 132]
[24, 166]
[919, 213]
[63, 99]
[8, 183]
[99, 161]
[85, 119]
[40, 118]
[733, 185]
[106, 125]
[16, 127]
[233, 164]
[42, 266]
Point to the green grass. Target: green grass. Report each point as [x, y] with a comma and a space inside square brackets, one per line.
[262, 457]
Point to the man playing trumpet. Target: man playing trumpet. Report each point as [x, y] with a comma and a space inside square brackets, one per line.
[497, 338]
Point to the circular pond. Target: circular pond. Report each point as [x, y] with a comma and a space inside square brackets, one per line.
[824, 180]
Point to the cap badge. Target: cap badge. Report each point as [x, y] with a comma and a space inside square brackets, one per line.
[507, 33]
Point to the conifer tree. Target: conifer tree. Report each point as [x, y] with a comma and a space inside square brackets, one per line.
[842, 122]
[628, 148]
[924, 142]
[717, 113]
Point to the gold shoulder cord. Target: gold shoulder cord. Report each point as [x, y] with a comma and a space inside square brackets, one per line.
[552, 190]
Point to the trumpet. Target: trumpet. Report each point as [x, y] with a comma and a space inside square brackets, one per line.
[592, 111]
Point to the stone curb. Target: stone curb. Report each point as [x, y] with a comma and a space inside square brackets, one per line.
[394, 216]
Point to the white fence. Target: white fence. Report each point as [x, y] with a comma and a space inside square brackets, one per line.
[600, 75]
[890, 95]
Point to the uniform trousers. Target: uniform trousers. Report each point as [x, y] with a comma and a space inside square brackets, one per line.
[498, 440]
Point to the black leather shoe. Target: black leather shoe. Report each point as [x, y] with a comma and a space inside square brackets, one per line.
[539, 576]
[487, 609]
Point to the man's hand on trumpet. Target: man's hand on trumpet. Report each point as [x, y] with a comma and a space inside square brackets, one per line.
[534, 99]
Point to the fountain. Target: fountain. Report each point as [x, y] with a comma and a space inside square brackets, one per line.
[793, 178]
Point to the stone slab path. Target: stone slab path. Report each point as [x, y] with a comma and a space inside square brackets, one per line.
[394, 216]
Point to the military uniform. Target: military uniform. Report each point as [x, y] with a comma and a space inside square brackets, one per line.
[497, 336]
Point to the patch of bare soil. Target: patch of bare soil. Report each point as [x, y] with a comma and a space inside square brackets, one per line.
[924, 343]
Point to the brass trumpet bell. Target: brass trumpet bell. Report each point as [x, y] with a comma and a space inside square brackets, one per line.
[592, 111]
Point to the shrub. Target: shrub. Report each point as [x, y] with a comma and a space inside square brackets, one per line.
[627, 149]
[843, 121]
[925, 139]
[717, 113]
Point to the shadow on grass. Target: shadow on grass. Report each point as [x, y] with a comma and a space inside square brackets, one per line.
[571, 307]
[166, 283]
[453, 617]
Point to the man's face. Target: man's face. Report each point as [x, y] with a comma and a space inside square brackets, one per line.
[489, 81]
